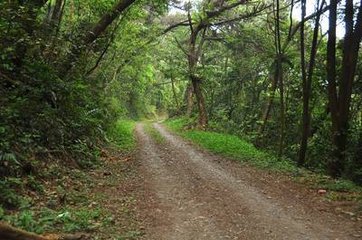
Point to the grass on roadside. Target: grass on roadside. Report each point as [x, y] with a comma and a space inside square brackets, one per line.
[122, 134]
[239, 149]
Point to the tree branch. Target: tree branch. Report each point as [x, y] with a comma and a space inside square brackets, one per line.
[184, 23]
[254, 13]
[212, 14]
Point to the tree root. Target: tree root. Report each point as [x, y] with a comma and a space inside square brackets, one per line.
[10, 233]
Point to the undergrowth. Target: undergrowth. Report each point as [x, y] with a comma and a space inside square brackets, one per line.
[54, 206]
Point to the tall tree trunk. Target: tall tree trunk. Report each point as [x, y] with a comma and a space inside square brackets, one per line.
[282, 108]
[196, 84]
[340, 103]
[307, 81]
[203, 119]
[306, 93]
[279, 54]
[334, 165]
[194, 53]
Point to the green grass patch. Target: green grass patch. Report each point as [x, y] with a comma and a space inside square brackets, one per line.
[155, 135]
[231, 146]
[122, 134]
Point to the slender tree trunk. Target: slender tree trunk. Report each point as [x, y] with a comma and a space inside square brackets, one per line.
[269, 105]
[106, 20]
[280, 73]
[211, 106]
[193, 59]
[282, 128]
[189, 99]
[307, 81]
[203, 119]
[174, 92]
[197, 89]
[334, 166]
[282, 108]
[306, 93]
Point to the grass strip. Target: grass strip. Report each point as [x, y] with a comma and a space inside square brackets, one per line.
[155, 135]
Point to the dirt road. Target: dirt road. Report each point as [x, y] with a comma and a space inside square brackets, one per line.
[191, 194]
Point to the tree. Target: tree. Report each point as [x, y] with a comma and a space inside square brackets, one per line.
[196, 40]
[340, 86]
[95, 32]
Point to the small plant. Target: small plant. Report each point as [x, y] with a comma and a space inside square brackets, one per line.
[9, 197]
[35, 185]
[2, 213]
[26, 221]
[47, 220]
[80, 220]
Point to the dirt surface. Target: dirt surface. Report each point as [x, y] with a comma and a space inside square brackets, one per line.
[191, 194]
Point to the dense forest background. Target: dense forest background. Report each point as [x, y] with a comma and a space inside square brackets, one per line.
[70, 70]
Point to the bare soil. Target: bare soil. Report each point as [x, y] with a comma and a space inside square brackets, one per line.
[189, 193]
